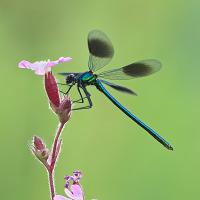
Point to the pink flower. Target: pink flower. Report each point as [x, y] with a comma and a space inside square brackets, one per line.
[62, 107]
[42, 67]
[73, 191]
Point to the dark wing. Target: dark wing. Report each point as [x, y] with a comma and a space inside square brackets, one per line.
[118, 87]
[100, 48]
[134, 70]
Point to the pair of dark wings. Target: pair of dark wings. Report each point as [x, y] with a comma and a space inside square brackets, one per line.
[101, 52]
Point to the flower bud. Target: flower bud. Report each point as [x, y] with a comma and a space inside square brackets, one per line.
[52, 89]
[38, 144]
[39, 149]
[77, 175]
[62, 108]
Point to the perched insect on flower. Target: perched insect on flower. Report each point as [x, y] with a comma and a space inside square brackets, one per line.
[101, 52]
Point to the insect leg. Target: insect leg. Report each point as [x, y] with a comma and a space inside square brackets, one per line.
[82, 98]
[67, 90]
[61, 83]
[87, 96]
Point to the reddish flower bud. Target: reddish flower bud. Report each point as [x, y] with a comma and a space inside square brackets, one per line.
[39, 149]
[64, 110]
[62, 107]
[52, 89]
[38, 144]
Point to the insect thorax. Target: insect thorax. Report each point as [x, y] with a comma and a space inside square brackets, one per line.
[88, 78]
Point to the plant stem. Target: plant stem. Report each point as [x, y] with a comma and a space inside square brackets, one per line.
[55, 144]
[51, 184]
[51, 168]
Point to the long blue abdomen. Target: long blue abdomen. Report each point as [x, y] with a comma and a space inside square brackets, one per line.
[133, 117]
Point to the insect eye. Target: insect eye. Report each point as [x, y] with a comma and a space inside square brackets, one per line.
[70, 79]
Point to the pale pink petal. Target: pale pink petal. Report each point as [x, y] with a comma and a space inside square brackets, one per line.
[42, 67]
[41, 71]
[24, 64]
[52, 63]
[60, 60]
[59, 197]
[64, 59]
[77, 191]
[69, 194]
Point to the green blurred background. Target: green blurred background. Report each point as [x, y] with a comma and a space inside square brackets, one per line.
[119, 159]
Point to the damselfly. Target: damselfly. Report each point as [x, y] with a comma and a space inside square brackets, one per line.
[101, 52]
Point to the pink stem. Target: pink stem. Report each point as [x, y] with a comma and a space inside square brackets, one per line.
[61, 125]
[51, 168]
[51, 184]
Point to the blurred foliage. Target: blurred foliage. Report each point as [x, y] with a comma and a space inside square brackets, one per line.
[118, 159]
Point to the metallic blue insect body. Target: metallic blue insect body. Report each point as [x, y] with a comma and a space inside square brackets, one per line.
[101, 52]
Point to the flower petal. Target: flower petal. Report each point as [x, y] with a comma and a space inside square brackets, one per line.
[59, 197]
[24, 64]
[77, 191]
[42, 67]
[60, 60]
[52, 63]
[69, 194]
[42, 71]
[64, 59]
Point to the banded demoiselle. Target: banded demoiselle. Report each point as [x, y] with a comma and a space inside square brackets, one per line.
[101, 52]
